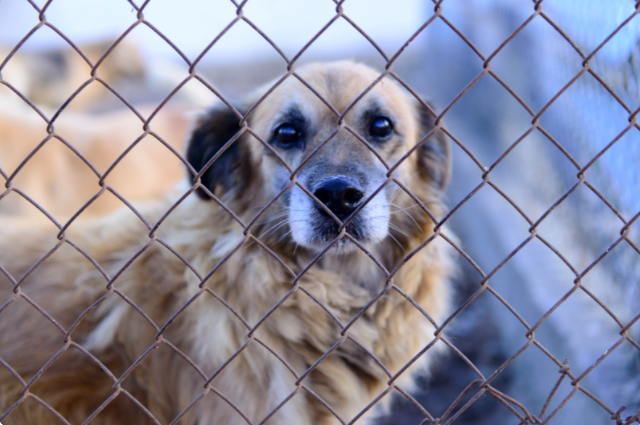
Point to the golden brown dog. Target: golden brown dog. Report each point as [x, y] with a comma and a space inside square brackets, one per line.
[178, 306]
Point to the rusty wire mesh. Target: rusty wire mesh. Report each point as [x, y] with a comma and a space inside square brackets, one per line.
[482, 384]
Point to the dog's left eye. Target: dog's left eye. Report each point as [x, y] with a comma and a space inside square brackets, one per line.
[287, 135]
[381, 127]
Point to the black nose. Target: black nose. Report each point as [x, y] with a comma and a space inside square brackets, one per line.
[341, 195]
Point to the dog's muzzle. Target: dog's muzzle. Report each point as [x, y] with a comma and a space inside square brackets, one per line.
[342, 195]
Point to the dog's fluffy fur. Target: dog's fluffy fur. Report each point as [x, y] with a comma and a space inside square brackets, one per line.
[246, 177]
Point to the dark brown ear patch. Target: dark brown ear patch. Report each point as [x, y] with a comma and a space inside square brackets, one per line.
[232, 169]
[434, 155]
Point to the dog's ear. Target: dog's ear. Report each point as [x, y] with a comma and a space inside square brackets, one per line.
[434, 155]
[232, 169]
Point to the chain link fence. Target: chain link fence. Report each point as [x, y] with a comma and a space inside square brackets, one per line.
[541, 113]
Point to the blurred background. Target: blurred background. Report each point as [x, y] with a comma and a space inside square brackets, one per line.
[536, 64]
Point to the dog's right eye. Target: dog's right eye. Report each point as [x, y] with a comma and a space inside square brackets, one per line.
[287, 135]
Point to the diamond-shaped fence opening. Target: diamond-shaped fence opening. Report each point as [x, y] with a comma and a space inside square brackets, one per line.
[141, 325]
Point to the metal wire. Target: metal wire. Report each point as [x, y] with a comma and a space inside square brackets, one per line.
[480, 386]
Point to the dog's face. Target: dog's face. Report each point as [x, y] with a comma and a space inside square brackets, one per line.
[341, 162]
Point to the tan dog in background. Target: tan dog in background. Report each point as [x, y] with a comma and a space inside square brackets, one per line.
[49, 77]
[344, 175]
[95, 123]
[58, 180]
